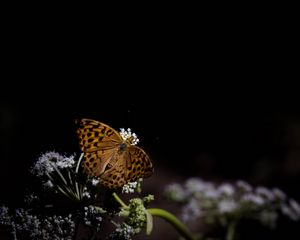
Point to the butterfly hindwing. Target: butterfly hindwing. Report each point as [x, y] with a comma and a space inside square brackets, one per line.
[96, 162]
[139, 164]
[115, 177]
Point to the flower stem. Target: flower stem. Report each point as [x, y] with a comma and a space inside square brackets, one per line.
[169, 217]
[119, 200]
[230, 235]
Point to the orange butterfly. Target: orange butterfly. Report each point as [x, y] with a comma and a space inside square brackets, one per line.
[109, 156]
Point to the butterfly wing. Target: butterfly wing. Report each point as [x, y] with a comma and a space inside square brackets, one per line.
[100, 144]
[131, 164]
[94, 135]
[115, 177]
[96, 162]
[139, 164]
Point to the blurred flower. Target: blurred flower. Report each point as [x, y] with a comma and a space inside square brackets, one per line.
[191, 211]
[279, 194]
[295, 206]
[226, 189]
[175, 191]
[122, 232]
[265, 193]
[246, 187]
[227, 206]
[253, 199]
[228, 203]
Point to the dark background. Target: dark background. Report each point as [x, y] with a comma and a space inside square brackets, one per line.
[208, 101]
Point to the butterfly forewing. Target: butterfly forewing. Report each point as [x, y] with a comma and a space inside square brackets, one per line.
[94, 135]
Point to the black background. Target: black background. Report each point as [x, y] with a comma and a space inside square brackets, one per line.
[218, 106]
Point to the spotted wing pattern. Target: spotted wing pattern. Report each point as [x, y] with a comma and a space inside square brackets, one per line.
[104, 157]
[100, 143]
[132, 164]
[94, 135]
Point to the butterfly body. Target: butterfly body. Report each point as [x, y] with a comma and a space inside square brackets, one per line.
[108, 156]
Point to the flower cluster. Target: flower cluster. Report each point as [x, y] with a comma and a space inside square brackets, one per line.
[224, 203]
[62, 176]
[127, 135]
[132, 187]
[122, 232]
[26, 224]
[136, 217]
[49, 161]
[82, 204]
[93, 217]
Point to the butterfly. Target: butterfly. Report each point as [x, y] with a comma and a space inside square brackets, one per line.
[108, 156]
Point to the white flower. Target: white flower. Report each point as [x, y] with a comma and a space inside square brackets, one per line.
[279, 194]
[30, 198]
[266, 193]
[252, 198]
[43, 165]
[127, 135]
[227, 206]
[288, 211]
[95, 181]
[4, 216]
[85, 193]
[175, 192]
[196, 185]
[212, 194]
[48, 184]
[244, 186]
[226, 189]
[129, 187]
[295, 206]
[66, 162]
[47, 162]
[191, 211]
[123, 231]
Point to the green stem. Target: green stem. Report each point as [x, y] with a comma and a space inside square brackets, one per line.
[169, 217]
[231, 231]
[119, 200]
